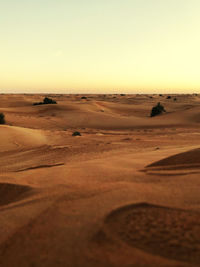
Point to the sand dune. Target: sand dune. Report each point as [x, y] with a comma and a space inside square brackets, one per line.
[186, 161]
[172, 233]
[89, 116]
[124, 193]
[16, 138]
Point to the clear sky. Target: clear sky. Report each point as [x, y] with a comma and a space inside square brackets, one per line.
[100, 46]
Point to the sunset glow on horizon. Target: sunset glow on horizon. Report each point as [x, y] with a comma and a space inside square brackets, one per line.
[107, 46]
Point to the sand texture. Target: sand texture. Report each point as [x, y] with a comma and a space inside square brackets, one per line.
[124, 193]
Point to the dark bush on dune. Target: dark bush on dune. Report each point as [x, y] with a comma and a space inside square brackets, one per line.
[49, 101]
[157, 110]
[169, 97]
[2, 118]
[76, 134]
[46, 101]
[83, 97]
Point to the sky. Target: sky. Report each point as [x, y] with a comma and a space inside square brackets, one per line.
[100, 46]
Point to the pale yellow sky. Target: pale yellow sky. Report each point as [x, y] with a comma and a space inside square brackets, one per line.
[130, 46]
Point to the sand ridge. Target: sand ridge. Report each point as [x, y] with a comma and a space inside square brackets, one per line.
[184, 163]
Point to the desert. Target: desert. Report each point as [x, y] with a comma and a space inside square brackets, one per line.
[125, 192]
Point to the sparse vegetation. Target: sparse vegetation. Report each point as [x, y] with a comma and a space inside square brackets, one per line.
[169, 97]
[83, 97]
[76, 134]
[157, 110]
[46, 101]
[2, 118]
[49, 101]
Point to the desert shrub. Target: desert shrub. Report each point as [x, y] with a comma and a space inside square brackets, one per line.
[2, 118]
[156, 110]
[175, 99]
[169, 97]
[46, 100]
[83, 97]
[76, 134]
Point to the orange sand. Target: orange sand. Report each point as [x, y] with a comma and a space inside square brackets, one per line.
[125, 193]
